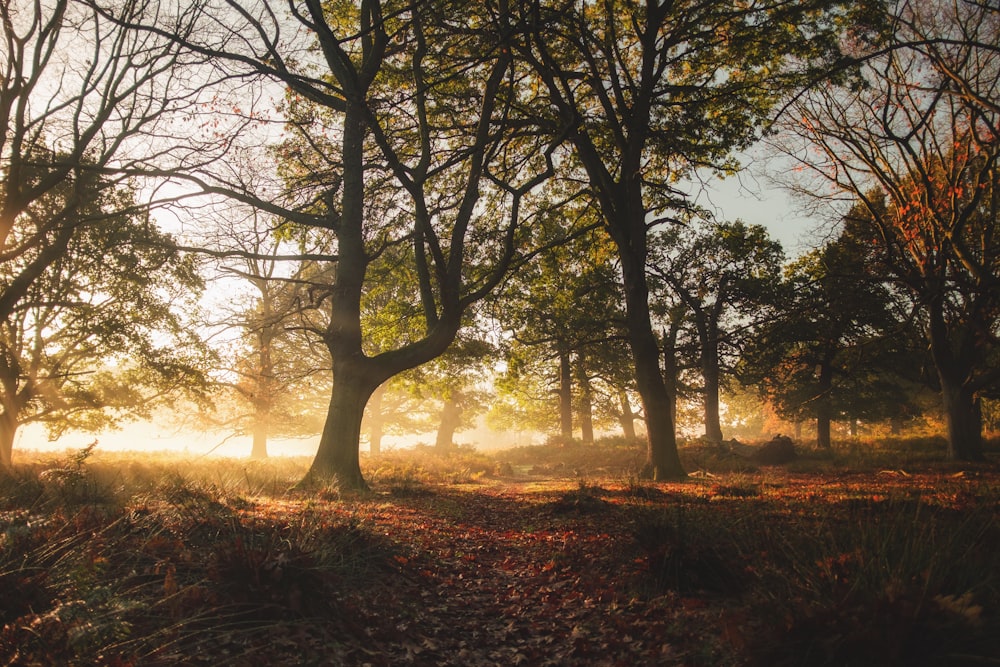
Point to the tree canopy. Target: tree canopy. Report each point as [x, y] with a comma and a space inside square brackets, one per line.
[917, 146]
[402, 164]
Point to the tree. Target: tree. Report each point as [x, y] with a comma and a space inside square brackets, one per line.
[562, 314]
[917, 147]
[607, 364]
[728, 278]
[275, 370]
[645, 94]
[68, 125]
[96, 337]
[413, 96]
[392, 409]
[456, 382]
[839, 348]
[65, 119]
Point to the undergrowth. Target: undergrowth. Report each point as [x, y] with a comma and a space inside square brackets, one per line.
[144, 564]
[848, 557]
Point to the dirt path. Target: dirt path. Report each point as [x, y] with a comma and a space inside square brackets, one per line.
[501, 577]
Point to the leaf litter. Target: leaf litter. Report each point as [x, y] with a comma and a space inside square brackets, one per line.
[767, 567]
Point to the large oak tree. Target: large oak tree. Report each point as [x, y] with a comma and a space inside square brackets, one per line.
[397, 147]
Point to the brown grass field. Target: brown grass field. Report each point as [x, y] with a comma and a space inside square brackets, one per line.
[875, 554]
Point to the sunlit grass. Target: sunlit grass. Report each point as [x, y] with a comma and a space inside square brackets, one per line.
[846, 557]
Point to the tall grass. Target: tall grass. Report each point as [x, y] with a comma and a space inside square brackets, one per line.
[129, 559]
[156, 562]
[896, 581]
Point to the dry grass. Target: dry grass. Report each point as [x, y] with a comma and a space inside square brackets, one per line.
[871, 554]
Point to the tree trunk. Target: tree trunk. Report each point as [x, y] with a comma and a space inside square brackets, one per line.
[585, 401]
[824, 409]
[258, 449]
[962, 412]
[375, 421]
[963, 416]
[451, 419]
[823, 428]
[662, 459]
[565, 395]
[8, 429]
[13, 402]
[627, 417]
[710, 375]
[353, 381]
[265, 384]
[337, 456]
[671, 372]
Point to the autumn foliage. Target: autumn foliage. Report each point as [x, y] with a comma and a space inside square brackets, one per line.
[544, 555]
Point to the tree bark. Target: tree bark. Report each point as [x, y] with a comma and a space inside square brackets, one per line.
[954, 362]
[565, 395]
[824, 411]
[627, 417]
[375, 421]
[710, 374]
[964, 420]
[671, 372]
[8, 429]
[337, 457]
[662, 458]
[353, 373]
[13, 399]
[585, 402]
[451, 419]
[823, 423]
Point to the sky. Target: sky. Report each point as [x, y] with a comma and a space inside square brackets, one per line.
[753, 199]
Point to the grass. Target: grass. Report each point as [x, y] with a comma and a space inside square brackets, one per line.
[884, 555]
[129, 562]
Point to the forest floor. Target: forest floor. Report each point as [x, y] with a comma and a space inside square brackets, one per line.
[531, 558]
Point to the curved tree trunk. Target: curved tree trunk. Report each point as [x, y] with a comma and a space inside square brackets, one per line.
[337, 456]
[353, 373]
[662, 458]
